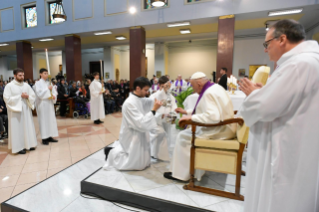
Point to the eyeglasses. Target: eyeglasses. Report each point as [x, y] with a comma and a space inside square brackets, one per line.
[266, 43]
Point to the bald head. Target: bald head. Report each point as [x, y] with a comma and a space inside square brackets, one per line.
[198, 84]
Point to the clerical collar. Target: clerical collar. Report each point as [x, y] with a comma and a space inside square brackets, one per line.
[136, 95]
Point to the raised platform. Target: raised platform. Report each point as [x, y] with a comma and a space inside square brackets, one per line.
[149, 190]
[146, 190]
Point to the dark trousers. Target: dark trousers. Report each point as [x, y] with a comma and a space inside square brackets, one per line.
[62, 108]
[109, 106]
[3, 121]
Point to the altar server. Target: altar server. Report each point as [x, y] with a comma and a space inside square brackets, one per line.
[132, 150]
[213, 106]
[179, 85]
[97, 102]
[160, 135]
[46, 97]
[283, 157]
[19, 98]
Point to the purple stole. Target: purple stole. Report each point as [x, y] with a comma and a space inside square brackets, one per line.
[189, 84]
[206, 86]
[153, 86]
[180, 90]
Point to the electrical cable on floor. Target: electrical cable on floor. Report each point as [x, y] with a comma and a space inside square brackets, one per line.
[95, 196]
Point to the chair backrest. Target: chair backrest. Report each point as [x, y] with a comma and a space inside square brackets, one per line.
[242, 133]
[261, 75]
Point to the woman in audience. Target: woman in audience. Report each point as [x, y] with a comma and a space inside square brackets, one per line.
[78, 84]
[73, 90]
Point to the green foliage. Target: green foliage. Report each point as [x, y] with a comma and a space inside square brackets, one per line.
[181, 97]
[180, 100]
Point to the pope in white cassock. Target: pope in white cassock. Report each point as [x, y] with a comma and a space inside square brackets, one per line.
[213, 105]
[161, 135]
[45, 108]
[283, 157]
[132, 150]
[19, 98]
[97, 102]
[179, 85]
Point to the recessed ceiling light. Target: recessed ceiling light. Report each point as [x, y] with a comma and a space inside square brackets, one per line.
[185, 31]
[31, 47]
[46, 39]
[285, 12]
[120, 37]
[179, 24]
[5, 178]
[4, 44]
[132, 10]
[103, 33]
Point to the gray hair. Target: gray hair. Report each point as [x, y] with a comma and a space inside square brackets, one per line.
[294, 31]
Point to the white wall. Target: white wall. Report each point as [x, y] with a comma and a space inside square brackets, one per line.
[4, 69]
[91, 55]
[125, 63]
[55, 61]
[249, 52]
[188, 60]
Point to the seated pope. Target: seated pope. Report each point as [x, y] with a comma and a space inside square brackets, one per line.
[213, 105]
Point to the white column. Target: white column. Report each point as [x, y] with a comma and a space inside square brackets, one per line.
[63, 63]
[159, 58]
[108, 62]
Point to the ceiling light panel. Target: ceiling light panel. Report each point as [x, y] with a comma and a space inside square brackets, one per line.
[103, 33]
[185, 31]
[285, 12]
[179, 24]
[46, 39]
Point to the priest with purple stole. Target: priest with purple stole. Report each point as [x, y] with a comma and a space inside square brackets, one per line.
[155, 87]
[179, 85]
[212, 106]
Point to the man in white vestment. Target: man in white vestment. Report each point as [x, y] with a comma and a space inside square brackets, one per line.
[283, 157]
[213, 106]
[155, 87]
[97, 102]
[46, 97]
[132, 150]
[19, 98]
[179, 85]
[160, 136]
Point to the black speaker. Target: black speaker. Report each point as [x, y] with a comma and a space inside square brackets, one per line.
[214, 76]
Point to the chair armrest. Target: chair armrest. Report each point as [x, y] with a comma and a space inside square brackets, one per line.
[184, 123]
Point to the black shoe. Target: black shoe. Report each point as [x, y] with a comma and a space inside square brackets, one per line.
[45, 141]
[32, 149]
[168, 175]
[100, 122]
[107, 151]
[22, 152]
[52, 140]
[96, 122]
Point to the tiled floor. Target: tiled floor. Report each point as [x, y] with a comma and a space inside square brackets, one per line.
[78, 138]
[150, 182]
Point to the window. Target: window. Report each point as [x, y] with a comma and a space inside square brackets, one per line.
[31, 17]
[52, 7]
[148, 5]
